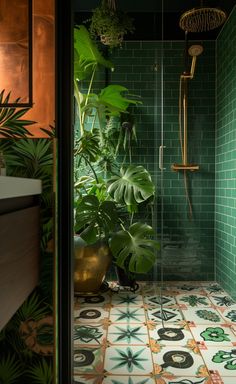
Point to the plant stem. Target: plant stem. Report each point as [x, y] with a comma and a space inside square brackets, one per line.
[89, 90]
[76, 92]
[91, 167]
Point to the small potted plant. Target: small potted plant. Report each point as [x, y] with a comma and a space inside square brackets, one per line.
[110, 24]
[107, 195]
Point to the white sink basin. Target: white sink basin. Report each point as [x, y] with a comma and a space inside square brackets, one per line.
[19, 186]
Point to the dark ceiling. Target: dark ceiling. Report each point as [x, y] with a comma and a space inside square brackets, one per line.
[156, 19]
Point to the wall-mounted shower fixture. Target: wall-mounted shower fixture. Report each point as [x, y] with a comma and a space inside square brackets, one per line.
[202, 19]
[194, 51]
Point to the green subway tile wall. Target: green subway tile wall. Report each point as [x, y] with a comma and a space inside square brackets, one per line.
[188, 248]
[225, 209]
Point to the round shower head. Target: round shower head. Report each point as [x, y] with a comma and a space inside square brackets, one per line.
[202, 19]
[195, 50]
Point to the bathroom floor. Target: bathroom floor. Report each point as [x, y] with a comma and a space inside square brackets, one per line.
[185, 335]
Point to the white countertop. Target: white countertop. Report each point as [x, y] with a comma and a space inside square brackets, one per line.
[19, 186]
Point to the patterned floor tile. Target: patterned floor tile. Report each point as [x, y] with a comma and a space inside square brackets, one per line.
[90, 315]
[186, 287]
[89, 334]
[86, 379]
[221, 359]
[170, 335]
[98, 300]
[178, 361]
[222, 300]
[135, 360]
[202, 315]
[157, 300]
[213, 288]
[168, 315]
[127, 315]
[225, 380]
[127, 299]
[128, 380]
[127, 334]
[88, 360]
[187, 380]
[193, 300]
[229, 314]
[214, 335]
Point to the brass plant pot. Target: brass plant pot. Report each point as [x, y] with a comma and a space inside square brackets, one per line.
[91, 265]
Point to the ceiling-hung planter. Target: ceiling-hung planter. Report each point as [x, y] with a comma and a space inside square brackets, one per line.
[109, 24]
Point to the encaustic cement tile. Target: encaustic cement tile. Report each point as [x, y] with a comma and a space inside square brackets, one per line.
[127, 299]
[90, 314]
[213, 335]
[98, 300]
[89, 334]
[88, 360]
[127, 334]
[193, 300]
[127, 360]
[88, 379]
[170, 335]
[178, 361]
[166, 314]
[203, 315]
[213, 288]
[127, 315]
[185, 380]
[229, 314]
[115, 379]
[222, 301]
[221, 360]
[157, 300]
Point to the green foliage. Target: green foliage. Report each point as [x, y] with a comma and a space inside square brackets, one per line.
[132, 186]
[10, 369]
[109, 24]
[134, 249]
[96, 219]
[11, 124]
[41, 373]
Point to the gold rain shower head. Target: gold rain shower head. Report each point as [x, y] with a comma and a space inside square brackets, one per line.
[202, 19]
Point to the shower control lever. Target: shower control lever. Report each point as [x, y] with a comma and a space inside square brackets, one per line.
[161, 147]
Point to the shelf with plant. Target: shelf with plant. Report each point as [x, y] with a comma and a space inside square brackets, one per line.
[109, 189]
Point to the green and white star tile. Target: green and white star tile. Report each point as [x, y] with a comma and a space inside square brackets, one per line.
[127, 299]
[127, 334]
[127, 360]
[127, 315]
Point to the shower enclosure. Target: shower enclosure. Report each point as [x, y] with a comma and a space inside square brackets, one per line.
[186, 140]
[178, 74]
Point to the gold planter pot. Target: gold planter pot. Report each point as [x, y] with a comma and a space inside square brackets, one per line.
[91, 264]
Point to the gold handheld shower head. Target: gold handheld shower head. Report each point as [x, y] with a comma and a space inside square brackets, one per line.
[202, 19]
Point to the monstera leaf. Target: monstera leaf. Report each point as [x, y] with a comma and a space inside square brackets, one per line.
[133, 249]
[133, 186]
[86, 54]
[94, 218]
[114, 99]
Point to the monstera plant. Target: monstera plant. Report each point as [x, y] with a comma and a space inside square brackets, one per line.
[108, 195]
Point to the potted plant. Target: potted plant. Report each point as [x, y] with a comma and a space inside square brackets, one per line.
[110, 24]
[107, 195]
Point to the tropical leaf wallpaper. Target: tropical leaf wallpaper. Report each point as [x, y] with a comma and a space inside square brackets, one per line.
[26, 342]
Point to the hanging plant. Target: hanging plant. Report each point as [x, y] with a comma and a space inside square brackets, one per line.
[109, 24]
